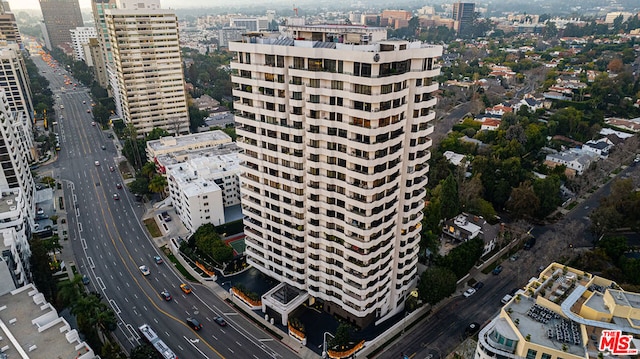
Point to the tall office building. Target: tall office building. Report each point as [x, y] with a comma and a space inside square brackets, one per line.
[148, 65]
[463, 14]
[8, 26]
[335, 130]
[60, 16]
[14, 80]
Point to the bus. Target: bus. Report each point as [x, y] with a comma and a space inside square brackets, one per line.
[156, 342]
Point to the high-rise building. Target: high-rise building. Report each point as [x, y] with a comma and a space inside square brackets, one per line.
[148, 66]
[15, 171]
[563, 313]
[60, 16]
[463, 15]
[8, 26]
[104, 69]
[335, 131]
[97, 62]
[14, 80]
[79, 37]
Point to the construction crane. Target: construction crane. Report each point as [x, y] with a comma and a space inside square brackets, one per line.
[295, 10]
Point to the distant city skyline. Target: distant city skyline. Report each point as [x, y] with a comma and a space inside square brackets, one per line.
[86, 4]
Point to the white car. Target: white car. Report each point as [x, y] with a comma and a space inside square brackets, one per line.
[469, 292]
[97, 163]
[144, 270]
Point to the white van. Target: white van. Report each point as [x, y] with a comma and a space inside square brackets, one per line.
[506, 299]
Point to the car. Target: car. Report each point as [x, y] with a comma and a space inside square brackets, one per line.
[165, 295]
[93, 123]
[469, 292]
[471, 329]
[506, 298]
[514, 257]
[111, 168]
[144, 270]
[118, 185]
[103, 147]
[158, 259]
[530, 243]
[40, 211]
[194, 324]
[497, 270]
[116, 197]
[478, 285]
[97, 163]
[221, 322]
[88, 110]
[84, 102]
[85, 280]
[185, 288]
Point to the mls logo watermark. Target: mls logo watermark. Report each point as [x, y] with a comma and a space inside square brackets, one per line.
[614, 342]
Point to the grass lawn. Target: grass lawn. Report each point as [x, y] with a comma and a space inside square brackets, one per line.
[152, 227]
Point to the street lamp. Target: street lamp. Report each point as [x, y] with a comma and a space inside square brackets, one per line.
[324, 343]
[227, 282]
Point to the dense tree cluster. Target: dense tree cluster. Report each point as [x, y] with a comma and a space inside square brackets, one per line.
[209, 73]
[207, 241]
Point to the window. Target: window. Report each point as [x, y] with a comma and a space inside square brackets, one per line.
[314, 98]
[363, 89]
[247, 58]
[315, 83]
[330, 65]
[295, 80]
[531, 354]
[336, 85]
[280, 61]
[296, 95]
[298, 62]
[315, 64]
[360, 69]
[270, 60]
[546, 356]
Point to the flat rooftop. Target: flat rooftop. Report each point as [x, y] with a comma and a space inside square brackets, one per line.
[31, 328]
[166, 143]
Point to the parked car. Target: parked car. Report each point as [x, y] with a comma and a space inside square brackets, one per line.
[221, 322]
[497, 270]
[194, 324]
[469, 292]
[514, 257]
[85, 280]
[506, 298]
[530, 243]
[144, 270]
[478, 285]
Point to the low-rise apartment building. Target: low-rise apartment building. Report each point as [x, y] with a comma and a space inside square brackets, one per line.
[564, 313]
[192, 142]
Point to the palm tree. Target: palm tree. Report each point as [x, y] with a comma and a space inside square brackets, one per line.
[157, 184]
[69, 291]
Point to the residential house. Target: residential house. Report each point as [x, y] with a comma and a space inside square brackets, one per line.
[465, 227]
[490, 124]
[601, 147]
[576, 161]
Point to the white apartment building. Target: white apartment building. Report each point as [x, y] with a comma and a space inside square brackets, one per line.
[32, 328]
[250, 23]
[79, 37]
[201, 188]
[14, 80]
[15, 171]
[185, 143]
[148, 66]
[14, 236]
[336, 142]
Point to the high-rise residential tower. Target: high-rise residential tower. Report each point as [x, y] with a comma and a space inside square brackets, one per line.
[60, 16]
[463, 13]
[335, 124]
[14, 80]
[148, 65]
[8, 26]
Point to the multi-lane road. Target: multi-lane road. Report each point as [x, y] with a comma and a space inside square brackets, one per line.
[110, 244]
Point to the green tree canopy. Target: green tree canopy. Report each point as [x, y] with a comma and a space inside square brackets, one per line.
[436, 283]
